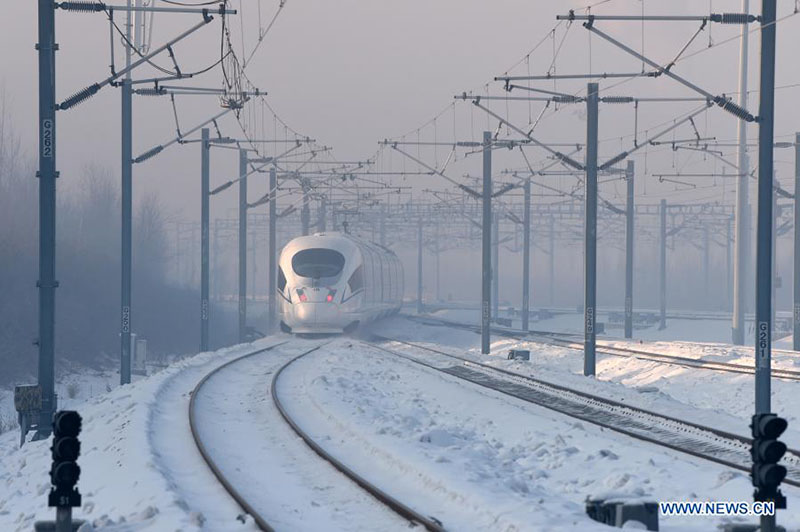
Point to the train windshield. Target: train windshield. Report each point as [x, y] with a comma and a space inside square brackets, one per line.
[317, 263]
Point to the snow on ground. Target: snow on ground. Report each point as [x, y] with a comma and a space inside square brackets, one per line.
[566, 321]
[468, 456]
[719, 399]
[74, 385]
[478, 460]
[128, 480]
[273, 469]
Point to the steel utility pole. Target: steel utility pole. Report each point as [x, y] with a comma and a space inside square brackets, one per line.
[305, 213]
[590, 232]
[552, 258]
[252, 273]
[243, 244]
[215, 245]
[496, 266]
[205, 151]
[47, 175]
[662, 267]
[323, 217]
[126, 204]
[273, 261]
[742, 247]
[419, 267]
[383, 224]
[629, 212]
[728, 269]
[796, 287]
[774, 274]
[706, 261]
[438, 277]
[526, 255]
[250, 255]
[486, 244]
[766, 115]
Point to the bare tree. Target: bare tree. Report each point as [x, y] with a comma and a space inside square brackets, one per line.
[150, 235]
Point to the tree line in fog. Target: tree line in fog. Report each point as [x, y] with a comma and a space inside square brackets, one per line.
[87, 269]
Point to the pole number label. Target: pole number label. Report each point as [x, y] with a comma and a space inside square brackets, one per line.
[126, 319]
[763, 343]
[204, 310]
[589, 320]
[47, 138]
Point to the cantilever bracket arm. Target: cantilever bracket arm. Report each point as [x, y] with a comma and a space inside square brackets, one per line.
[434, 171]
[253, 169]
[611, 207]
[569, 161]
[152, 152]
[97, 7]
[542, 170]
[723, 18]
[721, 101]
[91, 90]
[622, 155]
[563, 96]
[506, 188]
[302, 164]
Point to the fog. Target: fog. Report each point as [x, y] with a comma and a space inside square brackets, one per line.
[350, 74]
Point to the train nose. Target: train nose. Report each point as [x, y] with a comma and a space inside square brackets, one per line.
[327, 314]
[304, 312]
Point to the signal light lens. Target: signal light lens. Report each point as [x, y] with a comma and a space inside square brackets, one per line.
[769, 451]
[766, 451]
[65, 474]
[773, 426]
[768, 475]
[66, 448]
[67, 423]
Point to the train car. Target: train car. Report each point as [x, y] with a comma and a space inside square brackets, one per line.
[334, 282]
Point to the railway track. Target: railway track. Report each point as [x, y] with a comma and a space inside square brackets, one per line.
[247, 506]
[395, 505]
[567, 340]
[700, 441]
[260, 521]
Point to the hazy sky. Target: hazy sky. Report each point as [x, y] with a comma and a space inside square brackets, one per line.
[352, 72]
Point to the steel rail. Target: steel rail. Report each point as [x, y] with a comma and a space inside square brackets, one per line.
[729, 367]
[430, 523]
[553, 339]
[611, 406]
[212, 465]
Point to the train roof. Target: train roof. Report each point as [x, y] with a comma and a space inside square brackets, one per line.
[334, 238]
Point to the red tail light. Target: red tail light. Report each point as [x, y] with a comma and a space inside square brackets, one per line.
[331, 293]
[301, 295]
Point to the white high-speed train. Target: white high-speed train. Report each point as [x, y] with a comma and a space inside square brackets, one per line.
[333, 282]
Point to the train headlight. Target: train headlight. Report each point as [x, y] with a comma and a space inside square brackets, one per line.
[331, 293]
[301, 295]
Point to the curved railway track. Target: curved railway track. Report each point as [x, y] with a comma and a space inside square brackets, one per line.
[693, 439]
[563, 340]
[398, 507]
[393, 504]
[260, 521]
